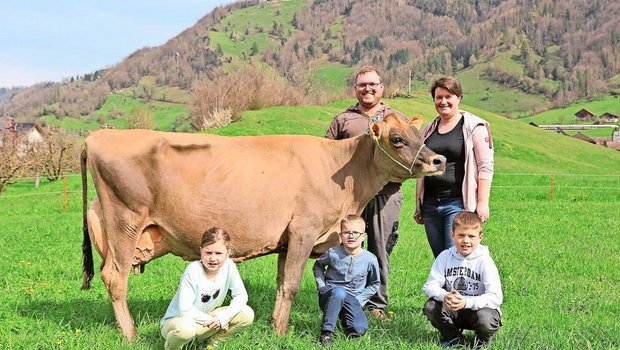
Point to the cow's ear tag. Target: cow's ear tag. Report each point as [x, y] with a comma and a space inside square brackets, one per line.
[376, 131]
[416, 121]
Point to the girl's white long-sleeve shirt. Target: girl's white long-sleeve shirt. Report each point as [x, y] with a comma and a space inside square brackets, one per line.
[194, 287]
[474, 276]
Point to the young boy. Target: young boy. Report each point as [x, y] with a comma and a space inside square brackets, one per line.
[351, 278]
[464, 286]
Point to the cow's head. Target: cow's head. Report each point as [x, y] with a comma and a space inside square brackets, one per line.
[400, 151]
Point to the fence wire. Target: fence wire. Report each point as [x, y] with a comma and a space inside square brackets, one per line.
[526, 181]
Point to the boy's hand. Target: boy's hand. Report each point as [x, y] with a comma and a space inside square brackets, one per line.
[454, 300]
[215, 323]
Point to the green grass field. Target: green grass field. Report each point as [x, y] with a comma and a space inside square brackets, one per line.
[557, 256]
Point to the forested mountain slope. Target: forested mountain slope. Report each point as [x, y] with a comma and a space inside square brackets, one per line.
[558, 51]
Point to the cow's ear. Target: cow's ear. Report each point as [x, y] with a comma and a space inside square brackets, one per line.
[416, 121]
[375, 131]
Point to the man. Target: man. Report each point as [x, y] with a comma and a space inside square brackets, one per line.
[383, 211]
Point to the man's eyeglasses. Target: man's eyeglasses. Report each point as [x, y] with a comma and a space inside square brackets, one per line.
[363, 86]
[206, 297]
[353, 234]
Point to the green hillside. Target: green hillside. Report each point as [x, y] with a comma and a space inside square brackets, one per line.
[246, 32]
[489, 95]
[566, 115]
[119, 105]
[519, 147]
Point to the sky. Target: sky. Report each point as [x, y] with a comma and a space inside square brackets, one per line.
[44, 40]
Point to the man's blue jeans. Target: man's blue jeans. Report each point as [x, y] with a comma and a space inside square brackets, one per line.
[438, 214]
[336, 303]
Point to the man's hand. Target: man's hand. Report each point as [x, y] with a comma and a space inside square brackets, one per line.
[417, 216]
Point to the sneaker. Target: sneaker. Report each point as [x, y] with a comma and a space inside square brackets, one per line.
[354, 336]
[450, 342]
[480, 344]
[326, 338]
[379, 314]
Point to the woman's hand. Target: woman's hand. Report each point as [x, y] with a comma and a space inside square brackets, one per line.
[417, 216]
[482, 209]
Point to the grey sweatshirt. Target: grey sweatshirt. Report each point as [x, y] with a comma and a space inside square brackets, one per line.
[474, 276]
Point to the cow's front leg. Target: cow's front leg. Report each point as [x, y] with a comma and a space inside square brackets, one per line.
[122, 238]
[115, 275]
[299, 249]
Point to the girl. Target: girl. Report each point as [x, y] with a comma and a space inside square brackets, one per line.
[196, 309]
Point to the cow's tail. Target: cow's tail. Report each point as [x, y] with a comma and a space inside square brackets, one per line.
[87, 252]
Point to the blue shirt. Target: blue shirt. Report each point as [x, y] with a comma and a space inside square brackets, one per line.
[358, 274]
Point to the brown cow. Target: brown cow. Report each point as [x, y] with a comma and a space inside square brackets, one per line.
[158, 192]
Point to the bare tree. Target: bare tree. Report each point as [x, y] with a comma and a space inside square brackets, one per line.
[221, 101]
[56, 155]
[14, 162]
[140, 118]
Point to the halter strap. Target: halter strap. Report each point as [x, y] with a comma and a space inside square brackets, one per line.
[409, 169]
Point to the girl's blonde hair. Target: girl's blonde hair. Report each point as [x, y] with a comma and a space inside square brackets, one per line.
[213, 235]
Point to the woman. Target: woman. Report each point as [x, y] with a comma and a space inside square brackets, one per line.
[196, 311]
[465, 140]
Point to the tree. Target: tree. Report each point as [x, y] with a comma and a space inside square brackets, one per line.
[310, 50]
[56, 155]
[15, 161]
[140, 118]
[356, 55]
[221, 101]
[254, 49]
[471, 61]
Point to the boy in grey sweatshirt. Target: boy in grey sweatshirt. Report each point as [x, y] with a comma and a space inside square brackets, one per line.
[463, 287]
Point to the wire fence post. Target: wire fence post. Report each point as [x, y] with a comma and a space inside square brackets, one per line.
[65, 194]
[551, 188]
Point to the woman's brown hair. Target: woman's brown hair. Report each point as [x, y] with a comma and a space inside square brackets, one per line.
[449, 83]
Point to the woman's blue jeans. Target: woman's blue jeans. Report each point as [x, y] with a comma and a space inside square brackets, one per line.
[438, 214]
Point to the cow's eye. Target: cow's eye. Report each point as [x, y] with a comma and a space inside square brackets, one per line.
[398, 141]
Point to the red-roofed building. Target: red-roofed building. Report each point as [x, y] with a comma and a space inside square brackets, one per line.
[584, 115]
[608, 118]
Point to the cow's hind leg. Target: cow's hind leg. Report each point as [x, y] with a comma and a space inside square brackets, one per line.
[115, 275]
[290, 269]
[280, 281]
